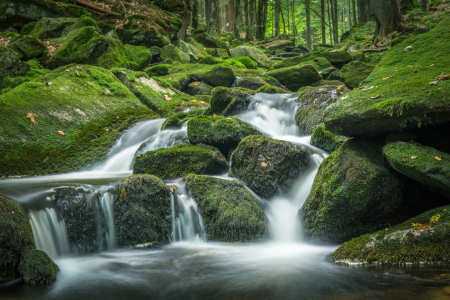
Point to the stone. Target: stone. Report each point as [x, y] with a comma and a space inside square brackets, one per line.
[229, 101]
[20, 13]
[258, 56]
[10, 64]
[200, 89]
[325, 140]
[172, 54]
[338, 59]
[355, 72]
[48, 28]
[220, 76]
[208, 41]
[295, 77]
[249, 82]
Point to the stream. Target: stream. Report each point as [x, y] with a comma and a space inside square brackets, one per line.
[190, 267]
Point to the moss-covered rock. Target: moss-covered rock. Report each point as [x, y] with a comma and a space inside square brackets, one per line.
[178, 80]
[423, 164]
[229, 211]
[158, 70]
[270, 89]
[37, 267]
[325, 140]
[172, 54]
[10, 63]
[177, 120]
[19, 13]
[208, 41]
[9, 83]
[82, 107]
[336, 75]
[141, 211]
[139, 57]
[428, 242]
[353, 194]
[258, 56]
[268, 166]
[313, 102]
[398, 40]
[223, 133]
[338, 59]
[47, 28]
[28, 47]
[249, 82]
[181, 160]
[322, 65]
[296, 77]
[246, 61]
[355, 72]
[199, 88]
[220, 76]
[327, 82]
[142, 37]
[394, 104]
[229, 101]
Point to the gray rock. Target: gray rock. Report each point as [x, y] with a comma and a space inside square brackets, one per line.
[10, 64]
[47, 28]
[258, 56]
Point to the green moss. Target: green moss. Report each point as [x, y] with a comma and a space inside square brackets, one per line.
[220, 76]
[322, 82]
[337, 59]
[266, 165]
[255, 54]
[229, 101]
[9, 83]
[325, 140]
[175, 121]
[406, 98]
[37, 267]
[208, 60]
[402, 244]
[25, 30]
[246, 61]
[139, 57]
[229, 211]
[171, 54]
[353, 194]
[270, 89]
[159, 70]
[295, 77]
[355, 72]
[181, 160]
[141, 212]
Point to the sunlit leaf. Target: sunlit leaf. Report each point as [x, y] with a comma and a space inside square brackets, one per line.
[437, 158]
[413, 157]
[30, 116]
[78, 73]
[123, 194]
[375, 96]
[263, 164]
[435, 218]
[196, 83]
[61, 132]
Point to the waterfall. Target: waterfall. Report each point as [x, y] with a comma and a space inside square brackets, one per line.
[49, 233]
[187, 223]
[106, 207]
[164, 139]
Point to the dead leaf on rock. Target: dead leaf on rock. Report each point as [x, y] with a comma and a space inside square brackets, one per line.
[413, 157]
[67, 70]
[263, 164]
[375, 96]
[30, 116]
[167, 98]
[61, 132]
[78, 74]
[437, 158]
[196, 83]
[407, 49]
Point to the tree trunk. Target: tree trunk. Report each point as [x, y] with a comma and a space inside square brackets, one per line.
[330, 22]
[207, 13]
[259, 20]
[284, 24]
[277, 17]
[322, 11]
[237, 18]
[349, 11]
[266, 11]
[362, 11]
[194, 19]
[294, 28]
[308, 25]
[335, 21]
[248, 35]
[387, 16]
[231, 15]
[406, 5]
[424, 5]
[354, 12]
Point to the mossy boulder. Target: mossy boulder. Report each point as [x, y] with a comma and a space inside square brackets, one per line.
[268, 166]
[158, 70]
[208, 41]
[246, 61]
[10, 63]
[172, 54]
[338, 59]
[258, 56]
[270, 89]
[142, 37]
[139, 57]
[181, 160]
[353, 193]
[355, 72]
[229, 101]
[229, 211]
[9, 83]
[81, 103]
[220, 76]
[177, 120]
[325, 140]
[19, 13]
[426, 165]
[142, 211]
[394, 104]
[327, 82]
[250, 82]
[28, 47]
[73, 29]
[199, 88]
[295, 77]
[322, 65]
[47, 28]
[313, 102]
[336, 75]
[37, 267]
[178, 81]
[426, 243]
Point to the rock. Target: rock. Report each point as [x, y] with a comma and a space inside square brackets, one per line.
[260, 58]
[338, 59]
[398, 40]
[336, 75]
[402, 244]
[327, 82]
[178, 81]
[322, 66]
[270, 89]
[220, 76]
[353, 194]
[229, 211]
[393, 104]
[37, 267]
[246, 61]
[156, 51]
[47, 28]
[249, 82]
[141, 37]
[208, 41]
[312, 104]
[10, 64]
[229, 101]
[139, 57]
[423, 164]
[295, 77]
[177, 120]
[355, 47]
[28, 47]
[197, 45]
[279, 45]
[325, 140]
[355, 72]
[18, 13]
[200, 89]
[158, 70]
[83, 21]
[359, 56]
[268, 166]
[172, 54]
[173, 138]
[220, 132]
[142, 211]
[181, 160]
[222, 53]
[420, 30]
[183, 46]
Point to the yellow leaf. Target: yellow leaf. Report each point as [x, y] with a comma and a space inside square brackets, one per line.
[167, 98]
[386, 229]
[339, 87]
[61, 132]
[196, 83]
[122, 195]
[67, 70]
[437, 158]
[78, 73]
[375, 96]
[214, 115]
[413, 157]
[435, 218]
[30, 116]
[445, 209]
[193, 101]
[263, 164]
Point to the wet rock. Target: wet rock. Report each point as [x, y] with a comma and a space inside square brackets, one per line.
[208, 41]
[142, 211]
[260, 58]
[220, 76]
[325, 140]
[141, 37]
[20, 13]
[229, 211]
[170, 139]
[176, 121]
[47, 28]
[28, 47]
[229, 101]
[327, 82]
[181, 160]
[268, 166]
[338, 59]
[335, 75]
[10, 64]
[295, 77]
[200, 89]
[172, 54]
[270, 89]
[37, 267]
[355, 72]
[159, 70]
[250, 82]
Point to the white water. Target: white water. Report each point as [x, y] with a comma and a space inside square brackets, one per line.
[106, 206]
[164, 139]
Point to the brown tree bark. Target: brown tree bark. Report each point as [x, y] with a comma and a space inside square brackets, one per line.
[361, 11]
[230, 15]
[308, 25]
[387, 16]
[277, 17]
[237, 18]
[424, 5]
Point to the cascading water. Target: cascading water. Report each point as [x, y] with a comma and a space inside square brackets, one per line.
[164, 139]
[106, 207]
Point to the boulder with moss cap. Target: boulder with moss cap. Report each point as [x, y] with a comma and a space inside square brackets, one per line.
[258, 56]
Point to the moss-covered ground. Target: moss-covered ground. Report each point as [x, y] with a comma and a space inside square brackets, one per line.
[325, 140]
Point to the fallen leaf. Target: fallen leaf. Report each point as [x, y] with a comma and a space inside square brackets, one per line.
[343, 98]
[61, 133]
[214, 115]
[445, 209]
[263, 164]
[78, 73]
[433, 83]
[340, 87]
[409, 66]
[122, 195]
[437, 158]
[386, 229]
[117, 117]
[167, 98]
[408, 48]
[30, 116]
[435, 218]
[12, 212]
[45, 76]
[107, 129]
[413, 157]
[193, 101]
[67, 70]
[196, 83]
[432, 65]
[375, 96]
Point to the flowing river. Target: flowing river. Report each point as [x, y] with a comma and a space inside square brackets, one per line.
[190, 267]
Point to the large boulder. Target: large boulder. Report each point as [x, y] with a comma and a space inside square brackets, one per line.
[37, 267]
[313, 102]
[73, 29]
[220, 76]
[338, 59]
[229, 211]
[268, 166]
[20, 13]
[199, 88]
[355, 72]
[177, 120]
[353, 193]
[270, 89]
[47, 28]
[28, 47]
[142, 211]
[10, 63]
[423, 164]
[229, 101]
[208, 41]
[221, 132]
[322, 65]
[296, 77]
[181, 160]
[425, 242]
[258, 56]
[325, 140]
[402, 98]
[249, 82]
[171, 54]
[142, 37]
